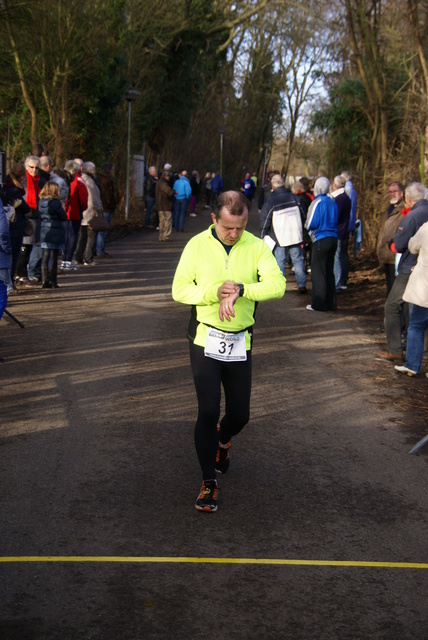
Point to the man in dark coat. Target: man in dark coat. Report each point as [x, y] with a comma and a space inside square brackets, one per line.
[395, 309]
[344, 204]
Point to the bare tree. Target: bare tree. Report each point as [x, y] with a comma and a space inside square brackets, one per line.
[418, 18]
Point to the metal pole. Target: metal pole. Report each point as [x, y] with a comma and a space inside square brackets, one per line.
[419, 445]
[221, 153]
[128, 162]
[264, 165]
[21, 324]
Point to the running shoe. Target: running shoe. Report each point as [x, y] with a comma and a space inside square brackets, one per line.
[406, 370]
[222, 461]
[207, 499]
[27, 282]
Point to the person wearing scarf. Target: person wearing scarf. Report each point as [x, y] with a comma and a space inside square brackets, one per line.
[32, 165]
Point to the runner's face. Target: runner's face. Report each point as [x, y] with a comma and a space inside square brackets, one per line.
[229, 228]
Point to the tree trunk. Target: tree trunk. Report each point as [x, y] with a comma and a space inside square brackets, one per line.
[24, 89]
[363, 38]
[414, 21]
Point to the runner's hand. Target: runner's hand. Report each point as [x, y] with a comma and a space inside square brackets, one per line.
[226, 289]
[226, 311]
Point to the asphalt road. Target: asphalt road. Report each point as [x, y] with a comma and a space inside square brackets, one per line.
[98, 473]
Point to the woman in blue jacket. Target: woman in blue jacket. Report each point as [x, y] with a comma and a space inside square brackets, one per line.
[321, 222]
[52, 233]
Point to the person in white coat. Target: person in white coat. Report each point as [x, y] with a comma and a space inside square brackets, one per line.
[87, 236]
[416, 292]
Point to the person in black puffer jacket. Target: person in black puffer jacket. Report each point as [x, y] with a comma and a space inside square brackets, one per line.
[52, 233]
[14, 192]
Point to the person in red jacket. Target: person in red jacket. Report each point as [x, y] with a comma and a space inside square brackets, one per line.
[76, 203]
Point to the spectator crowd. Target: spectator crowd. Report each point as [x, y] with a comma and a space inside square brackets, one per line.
[56, 219]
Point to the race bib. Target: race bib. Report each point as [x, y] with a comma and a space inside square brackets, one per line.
[229, 347]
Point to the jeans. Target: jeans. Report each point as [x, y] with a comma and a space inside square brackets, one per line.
[345, 260]
[341, 263]
[102, 235]
[35, 262]
[415, 337]
[181, 213]
[396, 313]
[214, 195]
[296, 254]
[71, 234]
[3, 298]
[209, 375]
[174, 213]
[150, 204]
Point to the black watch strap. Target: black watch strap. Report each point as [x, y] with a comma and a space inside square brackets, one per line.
[241, 289]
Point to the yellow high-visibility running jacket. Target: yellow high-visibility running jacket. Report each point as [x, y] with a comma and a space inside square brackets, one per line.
[204, 265]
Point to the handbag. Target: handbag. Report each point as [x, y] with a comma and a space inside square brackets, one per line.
[98, 223]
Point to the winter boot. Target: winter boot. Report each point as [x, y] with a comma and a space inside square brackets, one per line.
[45, 279]
[54, 275]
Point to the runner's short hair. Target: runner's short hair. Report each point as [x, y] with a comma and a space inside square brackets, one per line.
[234, 201]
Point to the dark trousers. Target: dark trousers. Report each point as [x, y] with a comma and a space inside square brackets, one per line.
[85, 244]
[71, 234]
[24, 256]
[322, 274]
[16, 231]
[390, 276]
[209, 375]
[396, 314]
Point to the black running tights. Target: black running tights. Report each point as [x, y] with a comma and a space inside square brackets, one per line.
[209, 375]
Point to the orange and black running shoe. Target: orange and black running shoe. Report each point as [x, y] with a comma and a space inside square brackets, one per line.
[207, 499]
[222, 461]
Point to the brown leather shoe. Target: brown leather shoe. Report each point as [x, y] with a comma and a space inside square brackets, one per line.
[387, 355]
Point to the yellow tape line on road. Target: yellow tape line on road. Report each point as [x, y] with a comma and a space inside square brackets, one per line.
[242, 561]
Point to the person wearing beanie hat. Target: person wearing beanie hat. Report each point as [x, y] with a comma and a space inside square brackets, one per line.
[321, 223]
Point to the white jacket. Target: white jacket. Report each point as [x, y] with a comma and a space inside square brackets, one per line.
[416, 291]
[94, 199]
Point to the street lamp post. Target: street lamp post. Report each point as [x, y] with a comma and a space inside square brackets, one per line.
[265, 163]
[131, 95]
[221, 131]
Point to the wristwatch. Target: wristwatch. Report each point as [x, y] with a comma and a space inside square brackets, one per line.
[241, 289]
